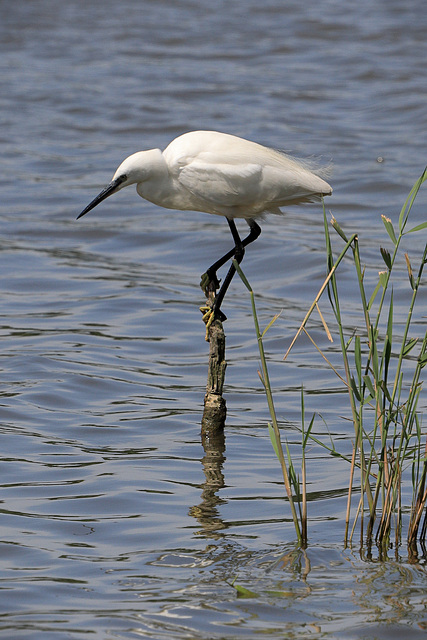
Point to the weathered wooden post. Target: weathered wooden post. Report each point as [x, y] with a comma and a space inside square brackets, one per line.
[215, 409]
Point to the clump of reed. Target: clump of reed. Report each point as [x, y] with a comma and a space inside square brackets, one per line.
[382, 374]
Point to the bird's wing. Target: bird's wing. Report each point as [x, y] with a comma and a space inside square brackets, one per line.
[223, 185]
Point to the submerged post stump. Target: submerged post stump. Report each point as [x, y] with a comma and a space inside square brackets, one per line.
[215, 409]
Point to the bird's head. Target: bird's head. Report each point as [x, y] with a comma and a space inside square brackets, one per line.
[136, 169]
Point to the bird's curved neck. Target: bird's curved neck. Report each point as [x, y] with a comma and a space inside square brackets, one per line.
[159, 187]
[153, 184]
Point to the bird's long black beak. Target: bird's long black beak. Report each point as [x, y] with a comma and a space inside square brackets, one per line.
[108, 191]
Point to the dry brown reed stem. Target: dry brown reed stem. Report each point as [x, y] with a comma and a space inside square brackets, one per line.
[350, 489]
[309, 312]
[419, 507]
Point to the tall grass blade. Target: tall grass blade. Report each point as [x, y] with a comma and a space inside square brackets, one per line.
[266, 381]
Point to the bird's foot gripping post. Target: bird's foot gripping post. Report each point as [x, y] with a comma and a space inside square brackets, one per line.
[215, 409]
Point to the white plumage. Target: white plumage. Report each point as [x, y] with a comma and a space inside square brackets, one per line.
[218, 173]
[221, 174]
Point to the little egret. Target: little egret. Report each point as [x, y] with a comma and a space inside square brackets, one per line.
[221, 174]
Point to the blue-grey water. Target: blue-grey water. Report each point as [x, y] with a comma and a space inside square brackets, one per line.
[115, 521]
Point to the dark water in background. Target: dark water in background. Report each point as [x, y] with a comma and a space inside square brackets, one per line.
[108, 527]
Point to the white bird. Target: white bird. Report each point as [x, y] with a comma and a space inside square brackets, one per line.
[221, 174]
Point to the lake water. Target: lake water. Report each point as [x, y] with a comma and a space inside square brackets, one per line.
[115, 521]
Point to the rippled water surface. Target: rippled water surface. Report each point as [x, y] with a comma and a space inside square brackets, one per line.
[116, 520]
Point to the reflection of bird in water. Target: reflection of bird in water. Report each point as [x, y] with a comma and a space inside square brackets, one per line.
[220, 174]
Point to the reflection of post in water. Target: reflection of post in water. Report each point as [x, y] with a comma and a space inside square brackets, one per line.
[206, 513]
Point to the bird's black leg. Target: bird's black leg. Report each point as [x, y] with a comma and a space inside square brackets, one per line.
[238, 253]
[209, 279]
